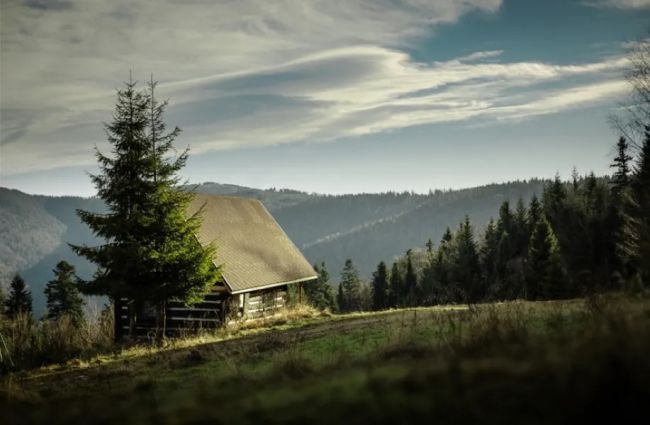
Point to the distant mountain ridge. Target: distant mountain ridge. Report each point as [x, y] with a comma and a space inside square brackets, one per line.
[35, 229]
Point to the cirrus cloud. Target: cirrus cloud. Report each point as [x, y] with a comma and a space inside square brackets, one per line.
[257, 72]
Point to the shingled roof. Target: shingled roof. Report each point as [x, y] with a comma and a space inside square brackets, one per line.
[255, 251]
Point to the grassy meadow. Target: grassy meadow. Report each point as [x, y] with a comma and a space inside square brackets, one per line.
[532, 362]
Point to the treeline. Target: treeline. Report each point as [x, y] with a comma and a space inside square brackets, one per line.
[62, 334]
[583, 236]
[62, 294]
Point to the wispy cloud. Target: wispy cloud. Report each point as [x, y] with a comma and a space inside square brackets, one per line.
[258, 72]
[620, 4]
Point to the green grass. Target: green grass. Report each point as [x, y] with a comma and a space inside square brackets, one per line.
[543, 362]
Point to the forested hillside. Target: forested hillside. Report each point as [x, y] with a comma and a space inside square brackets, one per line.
[28, 232]
[34, 235]
[35, 230]
[383, 236]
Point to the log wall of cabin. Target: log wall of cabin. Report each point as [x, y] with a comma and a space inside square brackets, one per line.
[264, 303]
[208, 314]
[217, 308]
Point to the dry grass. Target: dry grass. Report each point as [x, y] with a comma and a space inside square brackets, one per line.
[518, 362]
[27, 343]
[46, 346]
[297, 312]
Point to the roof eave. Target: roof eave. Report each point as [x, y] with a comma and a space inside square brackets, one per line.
[223, 278]
[273, 285]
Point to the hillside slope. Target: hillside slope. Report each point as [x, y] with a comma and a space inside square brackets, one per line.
[489, 363]
[411, 226]
[28, 231]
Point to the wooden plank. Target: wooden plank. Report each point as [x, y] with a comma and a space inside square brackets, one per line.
[212, 310]
[207, 301]
[207, 314]
[260, 310]
[194, 319]
[268, 301]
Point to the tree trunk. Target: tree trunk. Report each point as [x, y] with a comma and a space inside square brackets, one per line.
[161, 321]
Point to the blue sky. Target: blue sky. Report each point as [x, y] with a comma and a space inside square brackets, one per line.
[332, 96]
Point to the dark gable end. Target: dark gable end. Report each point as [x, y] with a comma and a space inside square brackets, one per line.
[255, 251]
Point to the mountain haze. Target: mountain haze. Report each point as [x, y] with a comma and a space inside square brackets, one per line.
[35, 229]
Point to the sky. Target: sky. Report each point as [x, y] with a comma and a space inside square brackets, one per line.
[329, 96]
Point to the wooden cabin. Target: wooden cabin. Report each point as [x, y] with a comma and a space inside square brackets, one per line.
[260, 266]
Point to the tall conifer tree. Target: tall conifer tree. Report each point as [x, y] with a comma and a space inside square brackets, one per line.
[19, 300]
[488, 258]
[63, 296]
[506, 235]
[320, 293]
[466, 263]
[350, 287]
[442, 267]
[534, 214]
[396, 286]
[340, 300]
[621, 207]
[380, 287]
[410, 280]
[545, 276]
[521, 229]
[151, 253]
[621, 176]
[429, 246]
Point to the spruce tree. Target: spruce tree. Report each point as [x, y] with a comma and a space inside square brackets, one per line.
[410, 281]
[545, 273]
[320, 293]
[19, 300]
[446, 237]
[554, 202]
[554, 195]
[341, 301]
[621, 208]
[538, 259]
[350, 287]
[380, 287]
[396, 286]
[534, 214]
[555, 284]
[442, 269]
[520, 229]
[426, 292]
[151, 253]
[466, 268]
[575, 179]
[506, 218]
[429, 246]
[620, 178]
[62, 295]
[506, 233]
[488, 258]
